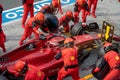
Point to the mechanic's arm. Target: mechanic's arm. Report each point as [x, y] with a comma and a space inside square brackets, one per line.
[58, 56]
[35, 28]
[100, 63]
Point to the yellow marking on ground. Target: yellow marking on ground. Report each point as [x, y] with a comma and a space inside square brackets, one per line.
[87, 77]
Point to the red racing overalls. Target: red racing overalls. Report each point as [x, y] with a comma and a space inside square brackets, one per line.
[113, 59]
[30, 27]
[60, 6]
[64, 20]
[28, 7]
[34, 73]
[70, 67]
[47, 9]
[92, 4]
[77, 10]
[2, 34]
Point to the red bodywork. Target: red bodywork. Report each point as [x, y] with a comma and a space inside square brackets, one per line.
[43, 54]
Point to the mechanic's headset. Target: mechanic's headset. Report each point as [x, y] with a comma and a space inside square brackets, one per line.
[70, 44]
[108, 48]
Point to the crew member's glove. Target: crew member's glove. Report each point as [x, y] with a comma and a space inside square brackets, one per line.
[42, 37]
[84, 25]
[97, 69]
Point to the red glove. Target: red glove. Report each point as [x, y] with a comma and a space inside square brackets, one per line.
[84, 25]
[97, 69]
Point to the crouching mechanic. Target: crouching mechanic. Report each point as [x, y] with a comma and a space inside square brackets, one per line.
[32, 26]
[48, 24]
[69, 55]
[65, 19]
[29, 71]
[60, 6]
[52, 8]
[113, 60]
[80, 5]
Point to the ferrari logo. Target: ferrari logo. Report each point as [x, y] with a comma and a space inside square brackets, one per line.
[107, 32]
[72, 58]
[39, 73]
[117, 58]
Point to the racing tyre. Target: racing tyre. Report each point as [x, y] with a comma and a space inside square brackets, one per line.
[77, 29]
[3, 77]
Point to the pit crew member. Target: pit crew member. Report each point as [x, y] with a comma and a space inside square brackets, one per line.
[60, 6]
[32, 26]
[29, 71]
[65, 19]
[69, 56]
[2, 34]
[52, 8]
[92, 4]
[113, 59]
[80, 5]
[27, 8]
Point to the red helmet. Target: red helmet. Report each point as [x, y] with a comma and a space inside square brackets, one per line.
[81, 2]
[69, 14]
[67, 40]
[19, 66]
[107, 46]
[55, 4]
[39, 17]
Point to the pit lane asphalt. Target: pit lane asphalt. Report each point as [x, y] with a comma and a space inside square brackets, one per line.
[8, 4]
[108, 10]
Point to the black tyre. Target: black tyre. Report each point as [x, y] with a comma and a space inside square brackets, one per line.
[3, 77]
[77, 29]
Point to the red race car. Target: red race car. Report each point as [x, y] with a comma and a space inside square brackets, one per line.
[41, 52]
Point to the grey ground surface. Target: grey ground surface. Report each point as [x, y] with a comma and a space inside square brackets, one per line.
[8, 4]
[108, 10]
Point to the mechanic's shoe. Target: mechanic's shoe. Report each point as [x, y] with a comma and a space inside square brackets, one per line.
[94, 16]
